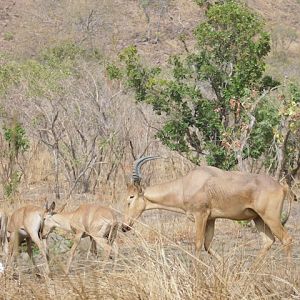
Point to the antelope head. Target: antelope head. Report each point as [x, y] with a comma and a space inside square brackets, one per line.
[135, 202]
[49, 222]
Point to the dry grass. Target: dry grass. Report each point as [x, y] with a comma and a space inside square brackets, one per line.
[156, 261]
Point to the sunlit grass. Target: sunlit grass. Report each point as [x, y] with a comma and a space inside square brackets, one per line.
[155, 265]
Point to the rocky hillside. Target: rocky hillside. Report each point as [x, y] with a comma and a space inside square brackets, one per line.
[155, 26]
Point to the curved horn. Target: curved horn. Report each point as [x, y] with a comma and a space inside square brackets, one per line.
[136, 173]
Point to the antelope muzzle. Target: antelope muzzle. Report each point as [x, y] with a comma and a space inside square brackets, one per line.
[126, 227]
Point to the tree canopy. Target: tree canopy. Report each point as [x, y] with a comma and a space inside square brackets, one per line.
[216, 101]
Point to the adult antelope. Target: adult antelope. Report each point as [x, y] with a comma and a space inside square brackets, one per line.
[26, 223]
[208, 193]
[3, 225]
[93, 220]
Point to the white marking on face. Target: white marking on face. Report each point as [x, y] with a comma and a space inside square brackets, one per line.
[131, 199]
[23, 232]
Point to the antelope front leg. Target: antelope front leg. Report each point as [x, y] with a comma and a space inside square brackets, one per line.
[12, 247]
[102, 242]
[209, 234]
[200, 222]
[35, 238]
[30, 253]
[77, 239]
[46, 248]
[92, 248]
[29, 247]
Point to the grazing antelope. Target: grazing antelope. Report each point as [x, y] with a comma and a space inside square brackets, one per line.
[27, 223]
[207, 193]
[3, 225]
[93, 220]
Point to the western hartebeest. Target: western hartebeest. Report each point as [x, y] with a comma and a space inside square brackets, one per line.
[3, 225]
[208, 193]
[27, 223]
[93, 220]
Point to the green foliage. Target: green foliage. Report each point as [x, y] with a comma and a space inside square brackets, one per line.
[208, 2]
[35, 248]
[113, 72]
[43, 75]
[64, 56]
[69, 243]
[262, 134]
[16, 143]
[267, 82]
[39, 77]
[16, 137]
[8, 36]
[140, 79]
[287, 131]
[42, 79]
[294, 93]
[231, 47]
[244, 223]
[11, 186]
[220, 156]
[200, 2]
[9, 75]
[173, 135]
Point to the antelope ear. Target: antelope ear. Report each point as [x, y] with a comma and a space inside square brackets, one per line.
[137, 184]
[139, 188]
[51, 207]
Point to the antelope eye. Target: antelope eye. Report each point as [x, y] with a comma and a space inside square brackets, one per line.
[131, 197]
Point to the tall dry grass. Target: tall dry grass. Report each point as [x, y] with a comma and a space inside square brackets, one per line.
[157, 258]
[156, 261]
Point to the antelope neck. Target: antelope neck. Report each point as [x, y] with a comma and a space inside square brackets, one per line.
[154, 205]
[63, 220]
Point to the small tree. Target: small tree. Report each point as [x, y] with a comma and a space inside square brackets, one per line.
[211, 98]
[286, 144]
[13, 143]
